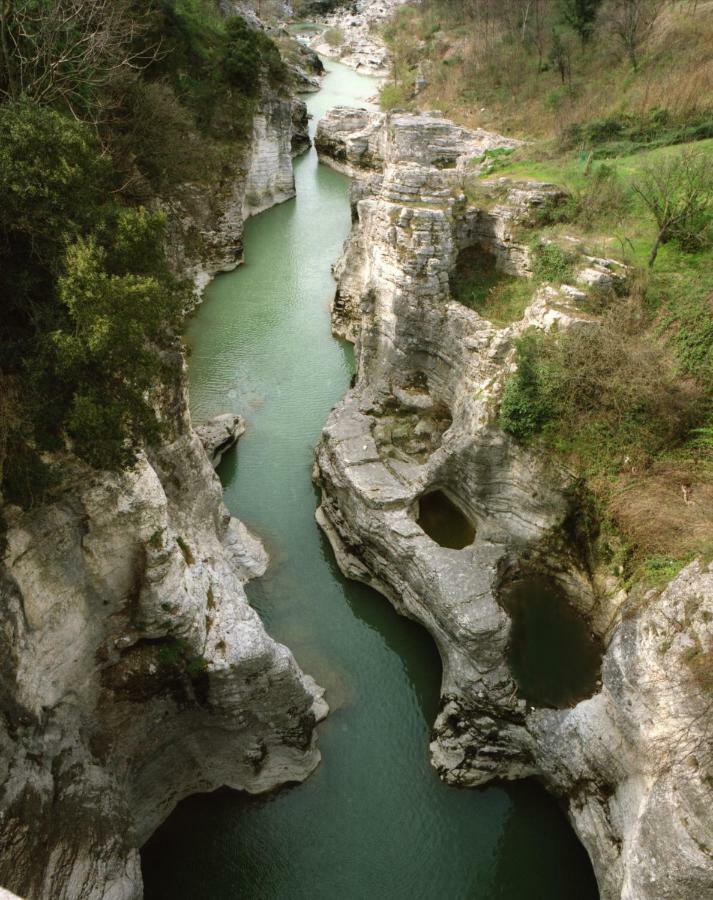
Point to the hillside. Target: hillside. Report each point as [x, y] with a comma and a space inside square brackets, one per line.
[629, 412]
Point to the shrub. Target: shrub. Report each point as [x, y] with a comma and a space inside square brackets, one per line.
[678, 193]
[334, 37]
[249, 51]
[53, 177]
[526, 402]
[550, 262]
[603, 392]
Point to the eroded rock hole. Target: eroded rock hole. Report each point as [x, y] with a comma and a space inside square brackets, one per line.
[553, 655]
[444, 522]
[479, 283]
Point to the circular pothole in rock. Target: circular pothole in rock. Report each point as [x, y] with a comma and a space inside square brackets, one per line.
[444, 522]
[553, 655]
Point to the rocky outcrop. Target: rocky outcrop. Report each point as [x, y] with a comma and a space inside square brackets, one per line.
[355, 37]
[220, 434]
[205, 227]
[135, 673]
[422, 417]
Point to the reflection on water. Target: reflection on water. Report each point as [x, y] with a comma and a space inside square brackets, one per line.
[373, 821]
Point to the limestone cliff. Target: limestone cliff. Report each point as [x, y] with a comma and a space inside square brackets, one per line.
[134, 671]
[630, 761]
[206, 227]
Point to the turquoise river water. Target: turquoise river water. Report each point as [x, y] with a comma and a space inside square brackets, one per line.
[373, 821]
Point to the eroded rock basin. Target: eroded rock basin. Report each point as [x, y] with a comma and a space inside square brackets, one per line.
[443, 521]
[374, 820]
[553, 654]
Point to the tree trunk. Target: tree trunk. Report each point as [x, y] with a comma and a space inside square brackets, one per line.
[655, 248]
[5, 54]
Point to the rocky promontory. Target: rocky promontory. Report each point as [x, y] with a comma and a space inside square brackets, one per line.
[629, 760]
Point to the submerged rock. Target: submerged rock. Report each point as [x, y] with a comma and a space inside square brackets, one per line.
[637, 794]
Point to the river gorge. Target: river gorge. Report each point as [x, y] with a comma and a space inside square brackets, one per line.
[385, 646]
[374, 819]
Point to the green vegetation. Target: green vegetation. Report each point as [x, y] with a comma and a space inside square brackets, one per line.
[550, 263]
[618, 109]
[175, 653]
[334, 37]
[498, 297]
[108, 107]
[592, 73]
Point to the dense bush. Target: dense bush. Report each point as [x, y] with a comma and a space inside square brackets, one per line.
[602, 392]
[248, 53]
[89, 311]
[552, 263]
[527, 401]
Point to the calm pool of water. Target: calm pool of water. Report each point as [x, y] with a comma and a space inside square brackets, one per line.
[553, 655]
[374, 821]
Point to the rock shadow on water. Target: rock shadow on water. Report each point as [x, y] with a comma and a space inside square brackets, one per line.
[553, 654]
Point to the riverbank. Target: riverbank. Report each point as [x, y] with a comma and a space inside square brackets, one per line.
[422, 421]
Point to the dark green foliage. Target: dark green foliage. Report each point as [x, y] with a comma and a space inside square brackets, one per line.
[89, 311]
[26, 477]
[214, 65]
[600, 392]
[123, 309]
[526, 404]
[624, 134]
[248, 53]
[88, 304]
[53, 177]
[580, 15]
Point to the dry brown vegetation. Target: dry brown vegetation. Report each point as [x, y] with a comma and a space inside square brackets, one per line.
[495, 65]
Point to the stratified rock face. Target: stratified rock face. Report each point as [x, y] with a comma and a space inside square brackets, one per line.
[134, 673]
[205, 227]
[421, 418]
[270, 178]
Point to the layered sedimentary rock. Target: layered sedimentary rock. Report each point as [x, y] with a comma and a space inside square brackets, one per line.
[422, 417]
[133, 670]
[205, 227]
[135, 673]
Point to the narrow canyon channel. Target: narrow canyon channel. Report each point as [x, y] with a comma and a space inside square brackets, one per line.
[373, 820]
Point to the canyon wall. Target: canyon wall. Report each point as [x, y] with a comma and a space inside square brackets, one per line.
[134, 671]
[630, 761]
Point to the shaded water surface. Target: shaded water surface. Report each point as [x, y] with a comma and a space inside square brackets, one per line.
[443, 522]
[373, 821]
[553, 655]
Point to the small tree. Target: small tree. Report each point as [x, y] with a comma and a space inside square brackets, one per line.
[559, 56]
[580, 15]
[631, 22]
[679, 194]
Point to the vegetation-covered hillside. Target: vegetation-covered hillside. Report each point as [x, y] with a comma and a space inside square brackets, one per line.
[615, 100]
[105, 106]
